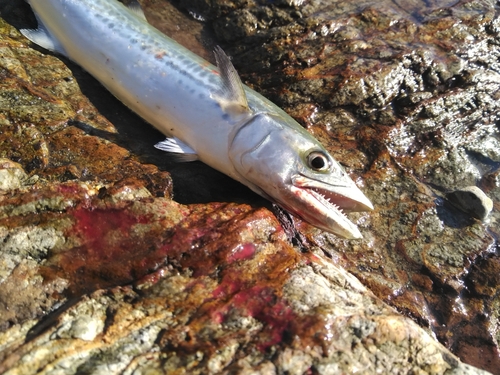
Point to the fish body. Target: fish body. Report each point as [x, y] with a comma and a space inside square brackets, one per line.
[204, 110]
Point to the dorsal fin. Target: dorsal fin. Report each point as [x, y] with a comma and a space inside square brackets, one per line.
[232, 97]
[135, 7]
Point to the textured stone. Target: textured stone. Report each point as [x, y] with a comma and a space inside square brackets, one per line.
[101, 271]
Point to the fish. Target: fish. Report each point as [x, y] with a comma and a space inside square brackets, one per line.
[205, 111]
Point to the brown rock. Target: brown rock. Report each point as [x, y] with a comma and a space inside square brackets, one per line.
[102, 271]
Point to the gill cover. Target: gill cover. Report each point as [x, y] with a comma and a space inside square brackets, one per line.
[260, 153]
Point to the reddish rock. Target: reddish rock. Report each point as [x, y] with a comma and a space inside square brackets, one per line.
[102, 271]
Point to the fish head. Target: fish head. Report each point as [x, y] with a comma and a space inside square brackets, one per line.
[282, 162]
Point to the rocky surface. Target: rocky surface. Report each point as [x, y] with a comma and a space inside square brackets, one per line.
[101, 271]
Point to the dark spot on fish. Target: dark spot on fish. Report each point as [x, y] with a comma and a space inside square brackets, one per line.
[111, 25]
[225, 117]
[201, 96]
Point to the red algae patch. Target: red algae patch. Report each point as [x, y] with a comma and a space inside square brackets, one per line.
[242, 252]
[110, 253]
[116, 243]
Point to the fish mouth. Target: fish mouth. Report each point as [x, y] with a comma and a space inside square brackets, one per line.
[323, 205]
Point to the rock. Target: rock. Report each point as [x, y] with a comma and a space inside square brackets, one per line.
[472, 201]
[101, 271]
[12, 176]
[192, 321]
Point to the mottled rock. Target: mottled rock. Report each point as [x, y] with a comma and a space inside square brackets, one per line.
[234, 323]
[12, 176]
[101, 271]
[406, 97]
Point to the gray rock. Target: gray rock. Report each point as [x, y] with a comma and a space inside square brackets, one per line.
[472, 200]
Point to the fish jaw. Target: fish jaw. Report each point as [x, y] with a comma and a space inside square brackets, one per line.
[317, 211]
[344, 194]
[322, 204]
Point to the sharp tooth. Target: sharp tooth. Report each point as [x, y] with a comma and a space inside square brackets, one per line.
[326, 201]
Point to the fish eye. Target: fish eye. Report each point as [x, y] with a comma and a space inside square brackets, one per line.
[318, 161]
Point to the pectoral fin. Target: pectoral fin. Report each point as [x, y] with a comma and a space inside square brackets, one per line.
[231, 96]
[42, 37]
[181, 151]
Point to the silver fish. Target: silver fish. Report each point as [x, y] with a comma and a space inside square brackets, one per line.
[206, 112]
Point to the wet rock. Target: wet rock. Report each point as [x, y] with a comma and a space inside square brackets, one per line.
[102, 271]
[211, 298]
[171, 321]
[472, 201]
[12, 175]
[406, 98]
